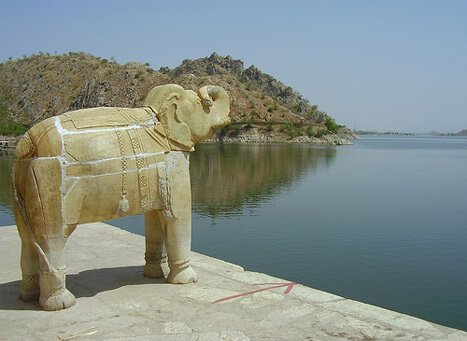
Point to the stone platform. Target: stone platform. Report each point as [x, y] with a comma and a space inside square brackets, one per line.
[115, 301]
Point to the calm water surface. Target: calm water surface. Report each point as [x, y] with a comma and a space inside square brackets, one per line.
[382, 222]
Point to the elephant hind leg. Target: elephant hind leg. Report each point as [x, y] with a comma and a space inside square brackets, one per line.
[156, 256]
[30, 289]
[44, 212]
[53, 292]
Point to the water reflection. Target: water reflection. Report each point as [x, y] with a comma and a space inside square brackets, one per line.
[226, 177]
[6, 216]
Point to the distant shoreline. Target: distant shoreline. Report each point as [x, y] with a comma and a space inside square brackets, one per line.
[8, 143]
[431, 133]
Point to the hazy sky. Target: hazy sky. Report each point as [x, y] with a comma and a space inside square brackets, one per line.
[384, 65]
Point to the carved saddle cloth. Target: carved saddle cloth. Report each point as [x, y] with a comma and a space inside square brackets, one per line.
[113, 157]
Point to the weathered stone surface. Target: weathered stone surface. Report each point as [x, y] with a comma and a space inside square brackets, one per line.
[116, 302]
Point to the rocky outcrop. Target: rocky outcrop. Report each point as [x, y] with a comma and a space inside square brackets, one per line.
[254, 135]
[278, 90]
[92, 95]
[252, 76]
[210, 66]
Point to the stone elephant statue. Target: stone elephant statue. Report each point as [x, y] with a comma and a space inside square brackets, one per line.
[102, 163]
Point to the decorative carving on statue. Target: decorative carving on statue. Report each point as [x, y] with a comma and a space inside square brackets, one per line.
[102, 163]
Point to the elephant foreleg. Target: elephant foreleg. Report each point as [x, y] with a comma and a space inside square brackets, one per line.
[179, 250]
[178, 234]
[156, 256]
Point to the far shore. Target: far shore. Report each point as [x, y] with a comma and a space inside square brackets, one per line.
[8, 143]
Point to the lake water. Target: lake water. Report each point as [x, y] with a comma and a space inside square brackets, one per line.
[382, 222]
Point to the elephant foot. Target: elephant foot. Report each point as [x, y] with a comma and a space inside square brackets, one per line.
[155, 270]
[60, 300]
[54, 294]
[181, 273]
[30, 290]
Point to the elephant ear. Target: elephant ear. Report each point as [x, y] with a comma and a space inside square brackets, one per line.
[178, 133]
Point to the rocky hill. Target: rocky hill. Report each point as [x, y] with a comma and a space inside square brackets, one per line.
[263, 108]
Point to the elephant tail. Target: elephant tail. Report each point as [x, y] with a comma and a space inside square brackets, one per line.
[24, 151]
[25, 147]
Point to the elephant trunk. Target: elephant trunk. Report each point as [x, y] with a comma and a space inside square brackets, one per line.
[216, 99]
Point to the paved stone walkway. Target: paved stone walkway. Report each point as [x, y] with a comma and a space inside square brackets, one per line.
[115, 301]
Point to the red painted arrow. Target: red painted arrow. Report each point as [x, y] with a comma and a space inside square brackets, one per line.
[289, 288]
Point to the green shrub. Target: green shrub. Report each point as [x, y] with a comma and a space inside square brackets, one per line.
[313, 112]
[232, 130]
[320, 133]
[332, 126]
[11, 128]
[309, 130]
[5, 97]
[292, 130]
[8, 126]
[138, 74]
[296, 107]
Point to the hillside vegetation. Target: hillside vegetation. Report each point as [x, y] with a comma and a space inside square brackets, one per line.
[40, 86]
